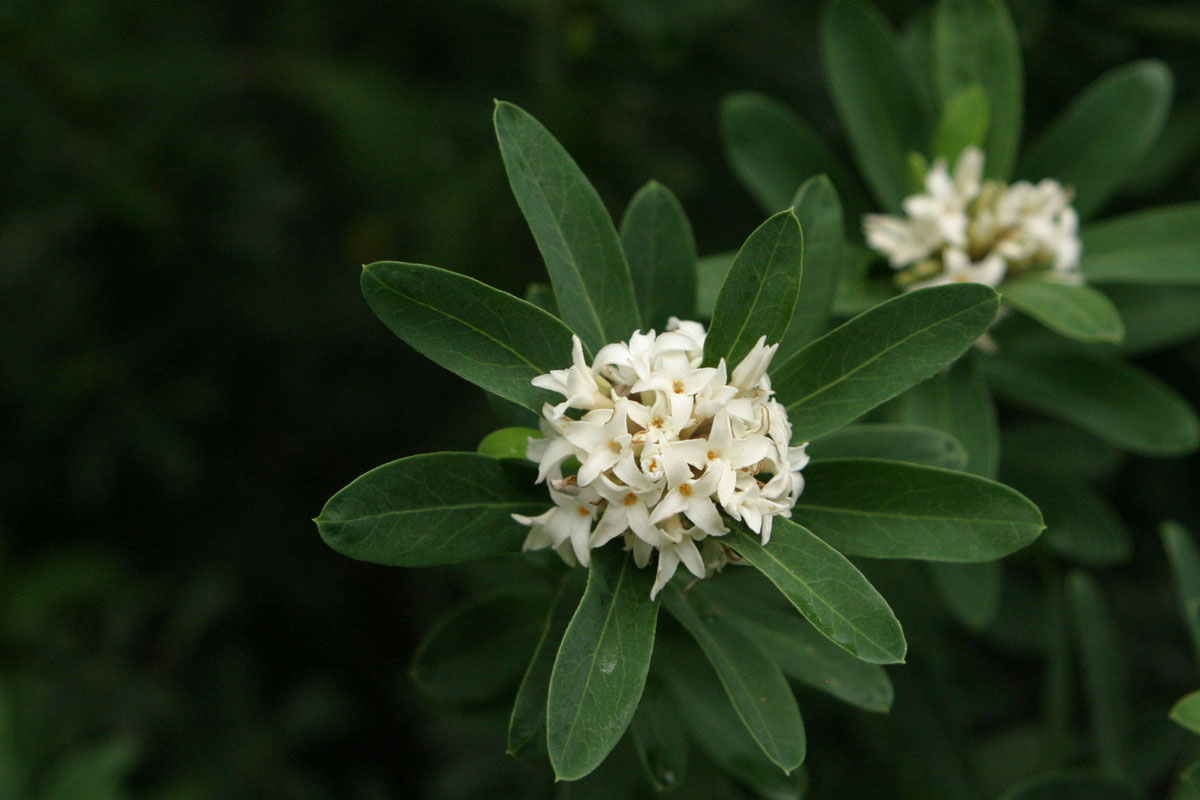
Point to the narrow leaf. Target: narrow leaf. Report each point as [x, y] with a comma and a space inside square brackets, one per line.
[710, 277]
[658, 243]
[1097, 141]
[1185, 567]
[957, 401]
[875, 100]
[975, 43]
[827, 589]
[759, 693]
[964, 123]
[496, 341]
[911, 443]
[759, 293]
[659, 739]
[1038, 449]
[1078, 312]
[820, 214]
[880, 353]
[436, 508]
[601, 665]
[527, 724]
[971, 591]
[573, 230]
[1080, 523]
[1157, 246]
[1186, 712]
[1120, 403]
[1156, 316]
[885, 509]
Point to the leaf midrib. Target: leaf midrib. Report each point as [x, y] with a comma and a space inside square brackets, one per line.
[757, 293]
[897, 515]
[428, 509]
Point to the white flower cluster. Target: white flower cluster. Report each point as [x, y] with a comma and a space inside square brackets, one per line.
[662, 443]
[967, 229]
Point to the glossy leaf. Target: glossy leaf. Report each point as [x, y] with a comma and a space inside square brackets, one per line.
[975, 43]
[876, 102]
[659, 739]
[527, 724]
[1077, 312]
[879, 354]
[507, 442]
[957, 401]
[1119, 403]
[1185, 568]
[601, 665]
[759, 293]
[773, 151]
[827, 589]
[436, 508]
[710, 276]
[1157, 246]
[1097, 141]
[964, 123]
[496, 341]
[658, 243]
[1068, 786]
[753, 682]
[1186, 712]
[911, 443]
[573, 231]
[1103, 665]
[885, 509]
[477, 652]
[971, 591]
[820, 214]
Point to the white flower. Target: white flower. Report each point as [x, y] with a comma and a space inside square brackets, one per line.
[664, 445]
[966, 229]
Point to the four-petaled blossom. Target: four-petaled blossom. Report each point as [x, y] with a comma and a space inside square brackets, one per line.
[664, 445]
[966, 229]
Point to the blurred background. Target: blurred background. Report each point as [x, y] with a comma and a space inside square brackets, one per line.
[188, 370]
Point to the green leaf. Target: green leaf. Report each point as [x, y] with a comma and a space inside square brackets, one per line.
[507, 442]
[476, 652]
[827, 589]
[1096, 142]
[975, 43]
[1185, 567]
[886, 509]
[527, 724]
[879, 354]
[820, 214]
[496, 341]
[658, 738]
[1156, 316]
[658, 243]
[710, 277]
[1159, 245]
[1080, 523]
[1186, 712]
[97, 772]
[911, 443]
[964, 123]
[757, 689]
[1101, 657]
[1040, 449]
[716, 727]
[759, 293]
[1068, 786]
[1120, 403]
[542, 296]
[958, 402]
[1077, 312]
[573, 230]
[772, 151]
[601, 664]
[870, 87]
[436, 508]
[971, 591]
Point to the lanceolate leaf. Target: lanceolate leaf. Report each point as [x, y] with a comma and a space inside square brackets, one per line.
[964, 123]
[527, 725]
[912, 443]
[879, 354]
[1156, 316]
[1159, 246]
[496, 341]
[885, 509]
[710, 276]
[661, 251]
[957, 401]
[820, 214]
[437, 508]
[1077, 312]
[759, 293]
[975, 43]
[601, 665]
[1099, 139]
[1187, 712]
[1185, 566]
[874, 98]
[1117, 402]
[759, 693]
[573, 230]
[827, 589]
[659, 739]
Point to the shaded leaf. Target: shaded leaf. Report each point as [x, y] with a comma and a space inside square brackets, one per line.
[820, 215]
[957, 401]
[1186, 712]
[1077, 312]
[97, 772]
[658, 738]
[1185, 568]
[1156, 316]
[658, 243]
[1068, 786]
[971, 591]
[710, 276]
[1159, 245]
[911, 443]
[964, 123]
[507, 442]
[1037, 449]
